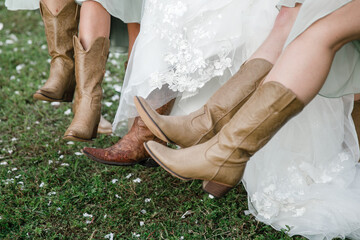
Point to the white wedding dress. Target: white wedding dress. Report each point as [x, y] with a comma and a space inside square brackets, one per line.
[127, 10]
[307, 178]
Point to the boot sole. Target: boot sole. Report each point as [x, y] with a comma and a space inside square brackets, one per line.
[40, 96]
[150, 123]
[77, 139]
[144, 162]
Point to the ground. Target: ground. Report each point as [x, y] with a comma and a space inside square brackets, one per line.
[49, 190]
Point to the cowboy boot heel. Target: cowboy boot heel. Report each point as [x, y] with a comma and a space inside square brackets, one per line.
[216, 189]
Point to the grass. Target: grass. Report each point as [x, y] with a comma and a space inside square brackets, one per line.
[46, 188]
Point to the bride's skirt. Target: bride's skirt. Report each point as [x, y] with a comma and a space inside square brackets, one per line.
[307, 178]
[126, 10]
[188, 49]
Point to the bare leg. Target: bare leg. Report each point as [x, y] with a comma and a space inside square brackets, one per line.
[274, 43]
[305, 74]
[133, 31]
[94, 23]
[55, 6]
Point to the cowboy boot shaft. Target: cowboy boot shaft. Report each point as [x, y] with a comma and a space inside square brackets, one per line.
[90, 69]
[251, 128]
[59, 31]
[90, 66]
[203, 124]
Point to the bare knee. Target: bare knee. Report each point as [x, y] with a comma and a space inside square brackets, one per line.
[285, 19]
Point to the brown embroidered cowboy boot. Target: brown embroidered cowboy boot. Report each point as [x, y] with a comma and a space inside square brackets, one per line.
[90, 69]
[221, 161]
[356, 117]
[130, 149]
[203, 124]
[60, 30]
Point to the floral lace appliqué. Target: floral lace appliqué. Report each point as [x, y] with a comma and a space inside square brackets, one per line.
[187, 67]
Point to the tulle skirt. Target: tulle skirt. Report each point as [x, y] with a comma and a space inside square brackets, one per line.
[126, 10]
[306, 180]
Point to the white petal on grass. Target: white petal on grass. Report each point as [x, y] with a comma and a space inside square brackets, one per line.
[64, 165]
[211, 196]
[20, 67]
[9, 41]
[143, 211]
[70, 143]
[114, 180]
[137, 180]
[67, 112]
[115, 97]
[28, 128]
[136, 235]
[50, 162]
[37, 122]
[187, 213]
[51, 193]
[58, 209]
[18, 176]
[109, 236]
[10, 151]
[117, 196]
[21, 183]
[49, 60]
[87, 215]
[1, 26]
[88, 221]
[129, 175]
[108, 104]
[0, 217]
[17, 92]
[13, 37]
[105, 216]
[14, 169]
[43, 47]
[117, 88]
[142, 223]
[41, 184]
[147, 200]
[78, 153]
[55, 104]
[29, 42]
[61, 157]
[49, 203]
[3, 163]
[14, 139]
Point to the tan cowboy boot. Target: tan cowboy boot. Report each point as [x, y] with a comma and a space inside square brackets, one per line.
[356, 117]
[130, 149]
[203, 124]
[89, 69]
[59, 31]
[221, 161]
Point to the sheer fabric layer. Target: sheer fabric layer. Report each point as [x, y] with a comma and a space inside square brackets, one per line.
[126, 10]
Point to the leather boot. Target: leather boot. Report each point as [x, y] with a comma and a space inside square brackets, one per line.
[130, 149]
[203, 124]
[60, 30]
[221, 161]
[356, 117]
[89, 69]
